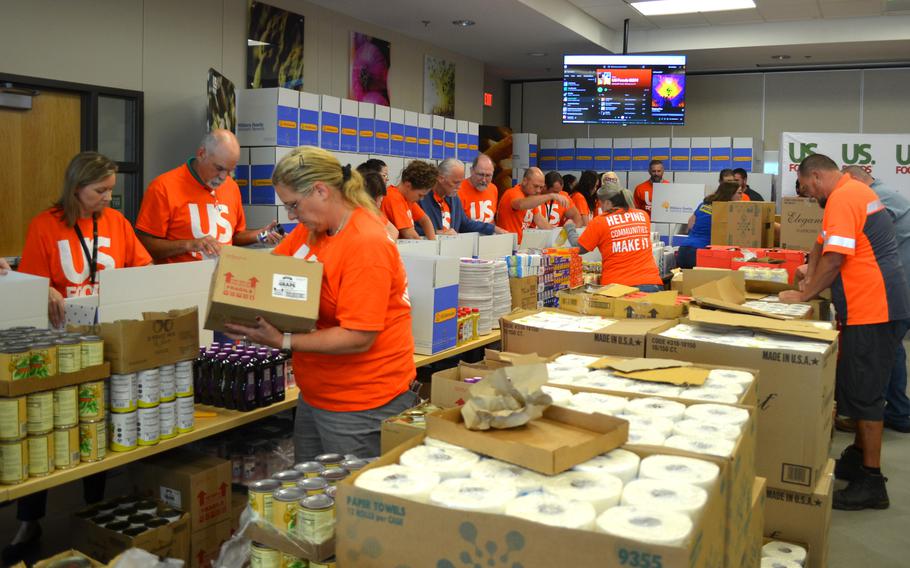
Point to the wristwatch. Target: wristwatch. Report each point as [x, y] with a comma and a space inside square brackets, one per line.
[286, 341]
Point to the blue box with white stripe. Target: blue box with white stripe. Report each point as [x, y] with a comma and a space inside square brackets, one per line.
[349, 112]
[381, 125]
[330, 123]
[396, 132]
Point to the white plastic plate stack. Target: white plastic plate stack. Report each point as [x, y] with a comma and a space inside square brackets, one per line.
[502, 295]
[475, 290]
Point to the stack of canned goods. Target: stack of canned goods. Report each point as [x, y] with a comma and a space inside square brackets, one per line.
[130, 516]
[92, 423]
[300, 502]
[29, 352]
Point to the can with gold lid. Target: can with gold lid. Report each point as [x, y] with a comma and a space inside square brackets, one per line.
[40, 412]
[66, 407]
[13, 418]
[15, 362]
[69, 354]
[13, 462]
[41, 454]
[91, 401]
[66, 447]
[43, 359]
[262, 556]
[92, 441]
[92, 350]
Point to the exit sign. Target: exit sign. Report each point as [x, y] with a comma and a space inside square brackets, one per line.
[488, 99]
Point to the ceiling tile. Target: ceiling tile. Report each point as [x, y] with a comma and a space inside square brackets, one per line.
[613, 16]
[679, 21]
[852, 9]
[788, 10]
[734, 17]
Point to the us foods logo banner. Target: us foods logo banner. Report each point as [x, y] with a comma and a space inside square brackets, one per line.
[884, 156]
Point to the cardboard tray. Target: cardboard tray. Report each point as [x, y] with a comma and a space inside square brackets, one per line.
[60, 380]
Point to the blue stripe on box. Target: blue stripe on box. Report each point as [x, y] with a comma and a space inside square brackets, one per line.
[679, 157]
[382, 137]
[445, 303]
[287, 126]
[309, 127]
[348, 133]
[242, 178]
[330, 131]
[742, 158]
[423, 143]
[640, 159]
[366, 136]
[396, 139]
[439, 144]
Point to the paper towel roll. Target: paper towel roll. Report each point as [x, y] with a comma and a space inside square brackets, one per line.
[656, 407]
[698, 393]
[720, 386]
[731, 376]
[655, 389]
[689, 470]
[479, 495]
[553, 511]
[595, 402]
[437, 443]
[650, 526]
[574, 359]
[620, 463]
[665, 495]
[662, 426]
[770, 562]
[718, 413]
[400, 481]
[600, 489]
[708, 430]
[784, 550]
[646, 438]
[447, 462]
[557, 394]
[524, 480]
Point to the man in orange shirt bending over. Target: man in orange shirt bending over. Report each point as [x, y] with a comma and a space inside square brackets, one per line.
[517, 206]
[191, 211]
[645, 190]
[478, 193]
[553, 213]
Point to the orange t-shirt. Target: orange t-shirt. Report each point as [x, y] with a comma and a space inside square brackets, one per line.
[643, 194]
[399, 211]
[364, 288]
[479, 205]
[871, 287]
[513, 220]
[745, 198]
[624, 240]
[53, 250]
[553, 212]
[598, 208]
[178, 206]
[581, 204]
[444, 210]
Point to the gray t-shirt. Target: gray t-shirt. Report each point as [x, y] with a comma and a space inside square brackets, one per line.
[898, 207]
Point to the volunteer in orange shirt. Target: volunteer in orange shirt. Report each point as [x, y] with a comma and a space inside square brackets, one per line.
[355, 370]
[374, 184]
[553, 213]
[645, 190]
[623, 237]
[517, 207]
[856, 256]
[478, 194]
[80, 235]
[606, 178]
[579, 200]
[191, 211]
[400, 205]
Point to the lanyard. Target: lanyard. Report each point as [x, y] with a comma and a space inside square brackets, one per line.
[93, 259]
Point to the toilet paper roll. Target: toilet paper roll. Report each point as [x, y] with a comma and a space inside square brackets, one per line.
[553, 511]
[596, 382]
[557, 394]
[662, 426]
[709, 430]
[706, 395]
[718, 413]
[651, 526]
[656, 407]
[784, 550]
[689, 470]
[573, 359]
[620, 463]
[665, 495]
[771, 562]
[437, 443]
[655, 389]
[731, 376]
[594, 402]
[447, 462]
[399, 481]
[646, 438]
[718, 386]
[524, 480]
[562, 379]
[478, 495]
[600, 489]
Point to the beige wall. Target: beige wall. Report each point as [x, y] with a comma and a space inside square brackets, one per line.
[165, 48]
[752, 105]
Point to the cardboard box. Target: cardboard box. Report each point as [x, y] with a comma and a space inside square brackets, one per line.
[587, 303]
[383, 113]
[746, 224]
[239, 502]
[795, 391]
[803, 517]
[169, 541]
[625, 338]
[494, 247]
[24, 300]
[309, 120]
[53, 560]
[395, 433]
[205, 544]
[401, 526]
[433, 291]
[800, 222]
[524, 292]
[656, 305]
[249, 283]
[756, 526]
[191, 482]
[329, 122]
[447, 387]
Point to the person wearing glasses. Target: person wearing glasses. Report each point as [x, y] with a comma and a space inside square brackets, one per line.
[444, 208]
[478, 194]
[189, 212]
[356, 369]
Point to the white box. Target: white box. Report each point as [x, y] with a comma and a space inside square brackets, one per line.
[622, 143]
[411, 118]
[495, 247]
[461, 245]
[721, 142]
[262, 166]
[564, 143]
[418, 247]
[660, 142]
[744, 143]
[433, 292]
[383, 113]
[439, 122]
[424, 120]
[451, 125]
[641, 142]
[681, 142]
[549, 143]
[23, 299]
[267, 117]
[330, 122]
[349, 107]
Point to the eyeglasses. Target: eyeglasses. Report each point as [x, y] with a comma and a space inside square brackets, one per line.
[291, 207]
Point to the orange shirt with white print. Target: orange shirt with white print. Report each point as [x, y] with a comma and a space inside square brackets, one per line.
[479, 205]
[444, 210]
[624, 240]
[364, 288]
[553, 212]
[580, 203]
[53, 250]
[178, 206]
[399, 211]
[513, 220]
[643, 194]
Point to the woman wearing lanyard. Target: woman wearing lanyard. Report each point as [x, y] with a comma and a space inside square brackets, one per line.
[700, 223]
[69, 244]
[355, 370]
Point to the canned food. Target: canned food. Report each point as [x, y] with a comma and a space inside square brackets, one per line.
[288, 478]
[331, 490]
[147, 507]
[149, 392]
[91, 401]
[330, 563]
[186, 408]
[124, 393]
[69, 354]
[92, 350]
[13, 462]
[171, 515]
[13, 418]
[119, 526]
[41, 454]
[183, 381]
[262, 556]
[316, 519]
[167, 384]
[310, 469]
[66, 447]
[40, 412]
[149, 426]
[124, 431]
[103, 519]
[107, 508]
[66, 407]
[140, 519]
[124, 513]
[330, 460]
[155, 523]
[135, 530]
[353, 464]
[284, 509]
[335, 475]
[92, 441]
[42, 359]
[313, 485]
[167, 419]
[288, 561]
[260, 493]
[15, 362]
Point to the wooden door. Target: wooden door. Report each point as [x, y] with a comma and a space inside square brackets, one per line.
[35, 147]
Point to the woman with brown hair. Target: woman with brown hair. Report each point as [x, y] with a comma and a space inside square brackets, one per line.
[700, 223]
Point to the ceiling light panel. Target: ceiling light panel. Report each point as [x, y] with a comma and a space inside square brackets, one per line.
[668, 7]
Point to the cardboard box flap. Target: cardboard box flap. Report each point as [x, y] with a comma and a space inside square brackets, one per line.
[615, 291]
[736, 308]
[513, 358]
[665, 298]
[171, 314]
[695, 277]
[633, 326]
[724, 289]
[788, 327]
[654, 370]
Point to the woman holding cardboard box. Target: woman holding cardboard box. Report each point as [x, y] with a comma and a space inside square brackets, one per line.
[355, 370]
[700, 223]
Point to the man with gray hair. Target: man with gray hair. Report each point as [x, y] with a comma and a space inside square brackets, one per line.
[444, 208]
[478, 194]
[189, 212]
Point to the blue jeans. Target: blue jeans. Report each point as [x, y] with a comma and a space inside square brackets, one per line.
[649, 288]
[897, 405]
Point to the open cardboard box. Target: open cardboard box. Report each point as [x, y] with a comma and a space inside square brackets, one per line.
[169, 541]
[802, 517]
[447, 387]
[726, 294]
[400, 527]
[756, 526]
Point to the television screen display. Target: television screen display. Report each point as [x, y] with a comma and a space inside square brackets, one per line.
[624, 89]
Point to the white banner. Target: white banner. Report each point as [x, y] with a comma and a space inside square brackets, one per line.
[675, 202]
[884, 156]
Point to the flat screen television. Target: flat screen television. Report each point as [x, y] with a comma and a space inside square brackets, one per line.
[624, 89]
